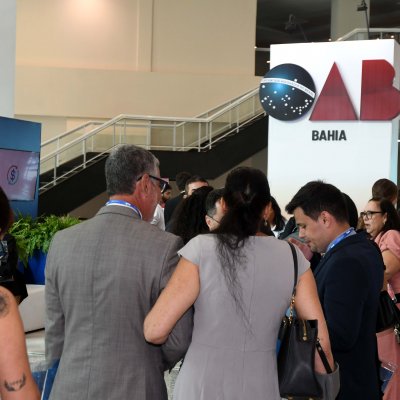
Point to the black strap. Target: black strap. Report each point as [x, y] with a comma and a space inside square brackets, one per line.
[296, 267]
[318, 344]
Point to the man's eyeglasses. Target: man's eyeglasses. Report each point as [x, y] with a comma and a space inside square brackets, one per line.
[209, 216]
[369, 214]
[161, 183]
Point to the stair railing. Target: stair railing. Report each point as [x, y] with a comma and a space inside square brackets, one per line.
[374, 33]
[151, 132]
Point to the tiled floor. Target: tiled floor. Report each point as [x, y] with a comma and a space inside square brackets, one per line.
[35, 346]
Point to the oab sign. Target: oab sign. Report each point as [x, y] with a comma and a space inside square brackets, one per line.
[333, 111]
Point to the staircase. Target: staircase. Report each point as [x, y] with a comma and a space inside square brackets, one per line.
[209, 144]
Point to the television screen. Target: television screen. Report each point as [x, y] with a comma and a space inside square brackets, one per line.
[18, 173]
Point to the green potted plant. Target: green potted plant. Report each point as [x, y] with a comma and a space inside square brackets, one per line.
[33, 237]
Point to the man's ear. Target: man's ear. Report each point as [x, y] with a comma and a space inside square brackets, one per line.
[143, 185]
[326, 218]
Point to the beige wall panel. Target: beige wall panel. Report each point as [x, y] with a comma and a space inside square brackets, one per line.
[83, 93]
[204, 36]
[78, 33]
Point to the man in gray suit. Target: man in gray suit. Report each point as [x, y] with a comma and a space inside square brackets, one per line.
[102, 278]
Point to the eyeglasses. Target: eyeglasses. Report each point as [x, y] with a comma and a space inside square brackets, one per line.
[369, 214]
[161, 183]
[215, 220]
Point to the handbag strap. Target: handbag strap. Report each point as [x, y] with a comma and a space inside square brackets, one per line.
[318, 344]
[296, 268]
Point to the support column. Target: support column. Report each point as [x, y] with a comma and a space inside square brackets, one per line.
[345, 17]
[7, 56]
[144, 21]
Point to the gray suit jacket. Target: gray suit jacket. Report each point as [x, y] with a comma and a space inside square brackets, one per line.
[102, 278]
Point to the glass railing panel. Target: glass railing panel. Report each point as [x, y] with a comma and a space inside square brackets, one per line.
[71, 153]
[47, 165]
[194, 134]
[221, 124]
[46, 150]
[248, 109]
[137, 133]
[102, 141]
[162, 135]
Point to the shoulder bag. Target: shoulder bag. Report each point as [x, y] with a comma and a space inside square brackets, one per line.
[299, 339]
[388, 315]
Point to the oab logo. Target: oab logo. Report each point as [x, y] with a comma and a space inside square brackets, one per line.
[287, 92]
[12, 175]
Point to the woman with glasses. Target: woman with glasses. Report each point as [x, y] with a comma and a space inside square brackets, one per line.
[240, 283]
[16, 381]
[382, 223]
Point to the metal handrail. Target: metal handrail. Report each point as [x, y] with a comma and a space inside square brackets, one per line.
[224, 120]
[147, 117]
[357, 31]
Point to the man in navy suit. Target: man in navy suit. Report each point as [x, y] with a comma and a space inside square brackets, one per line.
[349, 278]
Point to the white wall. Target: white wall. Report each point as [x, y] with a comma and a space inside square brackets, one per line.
[7, 57]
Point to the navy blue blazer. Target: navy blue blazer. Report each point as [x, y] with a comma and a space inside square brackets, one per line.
[349, 279]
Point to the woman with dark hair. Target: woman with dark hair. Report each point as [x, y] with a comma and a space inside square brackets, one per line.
[382, 223]
[10, 277]
[240, 282]
[189, 219]
[275, 218]
[5, 214]
[15, 376]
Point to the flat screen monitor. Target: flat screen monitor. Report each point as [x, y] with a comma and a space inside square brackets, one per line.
[18, 173]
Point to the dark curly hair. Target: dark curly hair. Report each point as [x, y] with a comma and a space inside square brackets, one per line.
[189, 216]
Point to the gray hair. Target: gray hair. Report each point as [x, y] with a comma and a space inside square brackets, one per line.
[125, 165]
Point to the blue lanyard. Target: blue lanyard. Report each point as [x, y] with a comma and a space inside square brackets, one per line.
[124, 204]
[342, 236]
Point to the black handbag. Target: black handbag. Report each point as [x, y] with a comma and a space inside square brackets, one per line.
[388, 315]
[299, 339]
[6, 272]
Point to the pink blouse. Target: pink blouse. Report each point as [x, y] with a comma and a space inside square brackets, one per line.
[390, 240]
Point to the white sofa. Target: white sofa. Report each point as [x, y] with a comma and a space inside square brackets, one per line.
[32, 308]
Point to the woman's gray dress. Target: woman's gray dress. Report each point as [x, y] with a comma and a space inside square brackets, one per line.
[233, 357]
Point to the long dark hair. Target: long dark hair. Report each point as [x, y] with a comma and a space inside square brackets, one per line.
[279, 220]
[189, 217]
[246, 195]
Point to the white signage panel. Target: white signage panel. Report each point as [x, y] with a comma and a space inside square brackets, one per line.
[345, 137]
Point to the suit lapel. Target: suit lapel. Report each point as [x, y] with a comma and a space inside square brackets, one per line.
[325, 258]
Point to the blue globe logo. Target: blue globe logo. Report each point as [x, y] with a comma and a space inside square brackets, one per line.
[287, 92]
